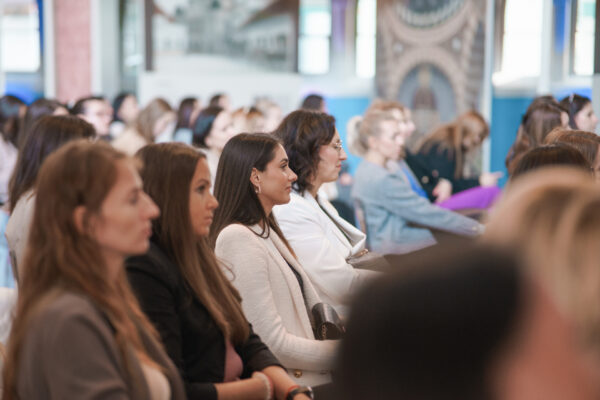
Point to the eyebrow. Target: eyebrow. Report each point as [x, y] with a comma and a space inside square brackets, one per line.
[201, 181]
[284, 160]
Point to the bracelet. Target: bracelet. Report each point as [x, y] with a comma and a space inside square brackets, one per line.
[287, 393]
[294, 390]
[267, 381]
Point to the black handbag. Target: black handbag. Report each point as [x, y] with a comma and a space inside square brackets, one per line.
[328, 324]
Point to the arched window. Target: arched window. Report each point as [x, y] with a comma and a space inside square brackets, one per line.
[314, 37]
[366, 33]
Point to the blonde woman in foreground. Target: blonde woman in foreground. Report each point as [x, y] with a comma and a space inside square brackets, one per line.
[552, 218]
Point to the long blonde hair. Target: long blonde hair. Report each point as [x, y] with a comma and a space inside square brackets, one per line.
[552, 218]
[60, 258]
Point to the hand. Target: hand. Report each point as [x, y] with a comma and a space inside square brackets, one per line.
[490, 178]
[443, 190]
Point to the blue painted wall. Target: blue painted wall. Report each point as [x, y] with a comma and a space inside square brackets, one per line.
[344, 108]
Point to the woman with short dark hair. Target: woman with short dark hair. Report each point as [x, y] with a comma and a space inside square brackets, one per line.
[322, 240]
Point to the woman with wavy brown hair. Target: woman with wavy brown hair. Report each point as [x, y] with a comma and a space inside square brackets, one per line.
[185, 294]
[79, 332]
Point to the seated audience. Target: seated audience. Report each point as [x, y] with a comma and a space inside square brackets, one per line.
[78, 331]
[543, 115]
[277, 295]
[444, 153]
[47, 134]
[212, 130]
[551, 217]
[550, 155]
[12, 110]
[98, 112]
[468, 325]
[581, 113]
[154, 124]
[384, 191]
[125, 112]
[183, 291]
[188, 111]
[321, 239]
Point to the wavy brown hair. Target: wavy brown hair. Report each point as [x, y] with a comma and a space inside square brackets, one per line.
[238, 201]
[167, 174]
[59, 258]
[302, 133]
[586, 142]
[450, 138]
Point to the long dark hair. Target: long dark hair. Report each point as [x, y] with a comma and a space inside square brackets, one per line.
[429, 324]
[203, 125]
[302, 133]
[10, 119]
[47, 134]
[238, 201]
[184, 113]
[168, 169]
[35, 111]
[573, 104]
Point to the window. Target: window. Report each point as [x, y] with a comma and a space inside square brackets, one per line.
[20, 36]
[315, 35]
[522, 40]
[366, 33]
[583, 37]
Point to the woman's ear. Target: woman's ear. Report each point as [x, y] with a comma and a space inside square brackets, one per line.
[255, 177]
[79, 219]
[372, 141]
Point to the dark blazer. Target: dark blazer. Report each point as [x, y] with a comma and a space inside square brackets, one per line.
[434, 164]
[191, 337]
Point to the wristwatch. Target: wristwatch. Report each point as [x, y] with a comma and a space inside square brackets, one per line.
[307, 390]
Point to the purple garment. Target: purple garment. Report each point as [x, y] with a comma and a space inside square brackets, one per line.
[478, 197]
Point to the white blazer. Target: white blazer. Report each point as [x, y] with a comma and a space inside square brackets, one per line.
[322, 248]
[273, 301]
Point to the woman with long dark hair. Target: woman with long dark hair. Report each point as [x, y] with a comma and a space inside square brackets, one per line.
[277, 295]
[46, 136]
[79, 332]
[184, 292]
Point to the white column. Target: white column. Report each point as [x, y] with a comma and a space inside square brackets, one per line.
[49, 51]
[104, 34]
[544, 82]
[487, 87]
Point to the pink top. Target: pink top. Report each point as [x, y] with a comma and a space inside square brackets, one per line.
[233, 363]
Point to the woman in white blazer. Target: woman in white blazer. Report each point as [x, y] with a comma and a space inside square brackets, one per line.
[277, 295]
[321, 238]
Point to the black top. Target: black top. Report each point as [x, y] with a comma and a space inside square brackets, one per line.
[434, 164]
[190, 335]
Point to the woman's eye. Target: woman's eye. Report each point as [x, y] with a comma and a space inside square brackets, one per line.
[201, 189]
